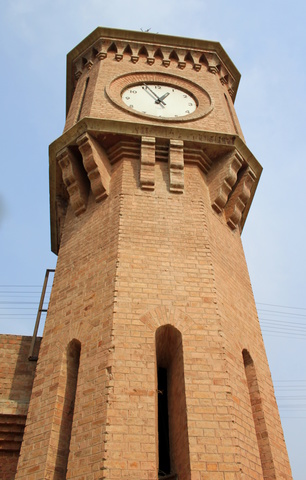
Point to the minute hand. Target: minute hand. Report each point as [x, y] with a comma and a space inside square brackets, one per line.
[158, 100]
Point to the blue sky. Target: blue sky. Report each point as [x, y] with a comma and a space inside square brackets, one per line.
[266, 42]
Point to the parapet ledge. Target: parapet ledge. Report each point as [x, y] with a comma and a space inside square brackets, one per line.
[14, 407]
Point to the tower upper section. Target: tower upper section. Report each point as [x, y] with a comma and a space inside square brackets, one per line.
[153, 98]
[102, 67]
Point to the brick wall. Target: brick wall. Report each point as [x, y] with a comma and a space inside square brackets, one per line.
[128, 265]
[16, 380]
[81, 308]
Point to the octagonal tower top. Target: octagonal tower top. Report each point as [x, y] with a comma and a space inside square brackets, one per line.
[109, 119]
[195, 51]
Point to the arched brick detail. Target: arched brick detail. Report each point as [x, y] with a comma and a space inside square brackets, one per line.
[167, 316]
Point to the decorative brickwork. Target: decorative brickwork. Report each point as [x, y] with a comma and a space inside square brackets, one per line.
[74, 180]
[223, 178]
[176, 166]
[239, 199]
[182, 58]
[147, 163]
[96, 165]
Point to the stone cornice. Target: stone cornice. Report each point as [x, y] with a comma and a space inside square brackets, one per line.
[117, 138]
[97, 126]
[185, 51]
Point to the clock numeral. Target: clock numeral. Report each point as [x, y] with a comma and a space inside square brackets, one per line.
[131, 106]
[189, 104]
[185, 96]
[187, 111]
[133, 91]
[127, 98]
[157, 87]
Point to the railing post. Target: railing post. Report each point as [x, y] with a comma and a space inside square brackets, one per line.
[40, 310]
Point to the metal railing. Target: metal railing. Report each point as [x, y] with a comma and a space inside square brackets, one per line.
[32, 357]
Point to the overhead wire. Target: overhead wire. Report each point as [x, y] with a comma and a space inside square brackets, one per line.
[290, 323]
[15, 304]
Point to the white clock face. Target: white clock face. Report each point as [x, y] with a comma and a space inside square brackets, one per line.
[158, 100]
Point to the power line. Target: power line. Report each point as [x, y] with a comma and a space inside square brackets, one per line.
[280, 306]
[21, 286]
[283, 322]
[284, 314]
[290, 380]
[290, 394]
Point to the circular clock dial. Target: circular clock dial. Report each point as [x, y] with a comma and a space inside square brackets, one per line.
[159, 100]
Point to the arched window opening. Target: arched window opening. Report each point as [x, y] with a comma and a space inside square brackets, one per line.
[173, 445]
[163, 423]
[258, 417]
[70, 372]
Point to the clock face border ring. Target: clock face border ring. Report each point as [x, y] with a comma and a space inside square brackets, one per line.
[120, 83]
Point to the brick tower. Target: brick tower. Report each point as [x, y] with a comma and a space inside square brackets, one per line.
[152, 363]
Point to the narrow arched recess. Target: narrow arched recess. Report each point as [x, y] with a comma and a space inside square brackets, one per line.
[70, 369]
[265, 453]
[173, 444]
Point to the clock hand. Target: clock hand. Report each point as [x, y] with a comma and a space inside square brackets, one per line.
[158, 100]
[150, 90]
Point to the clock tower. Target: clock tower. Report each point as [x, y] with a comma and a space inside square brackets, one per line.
[152, 363]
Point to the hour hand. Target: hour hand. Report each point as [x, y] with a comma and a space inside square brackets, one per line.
[160, 99]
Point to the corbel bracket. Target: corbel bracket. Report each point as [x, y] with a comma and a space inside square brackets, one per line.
[239, 198]
[96, 164]
[213, 62]
[74, 180]
[176, 166]
[147, 163]
[222, 178]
